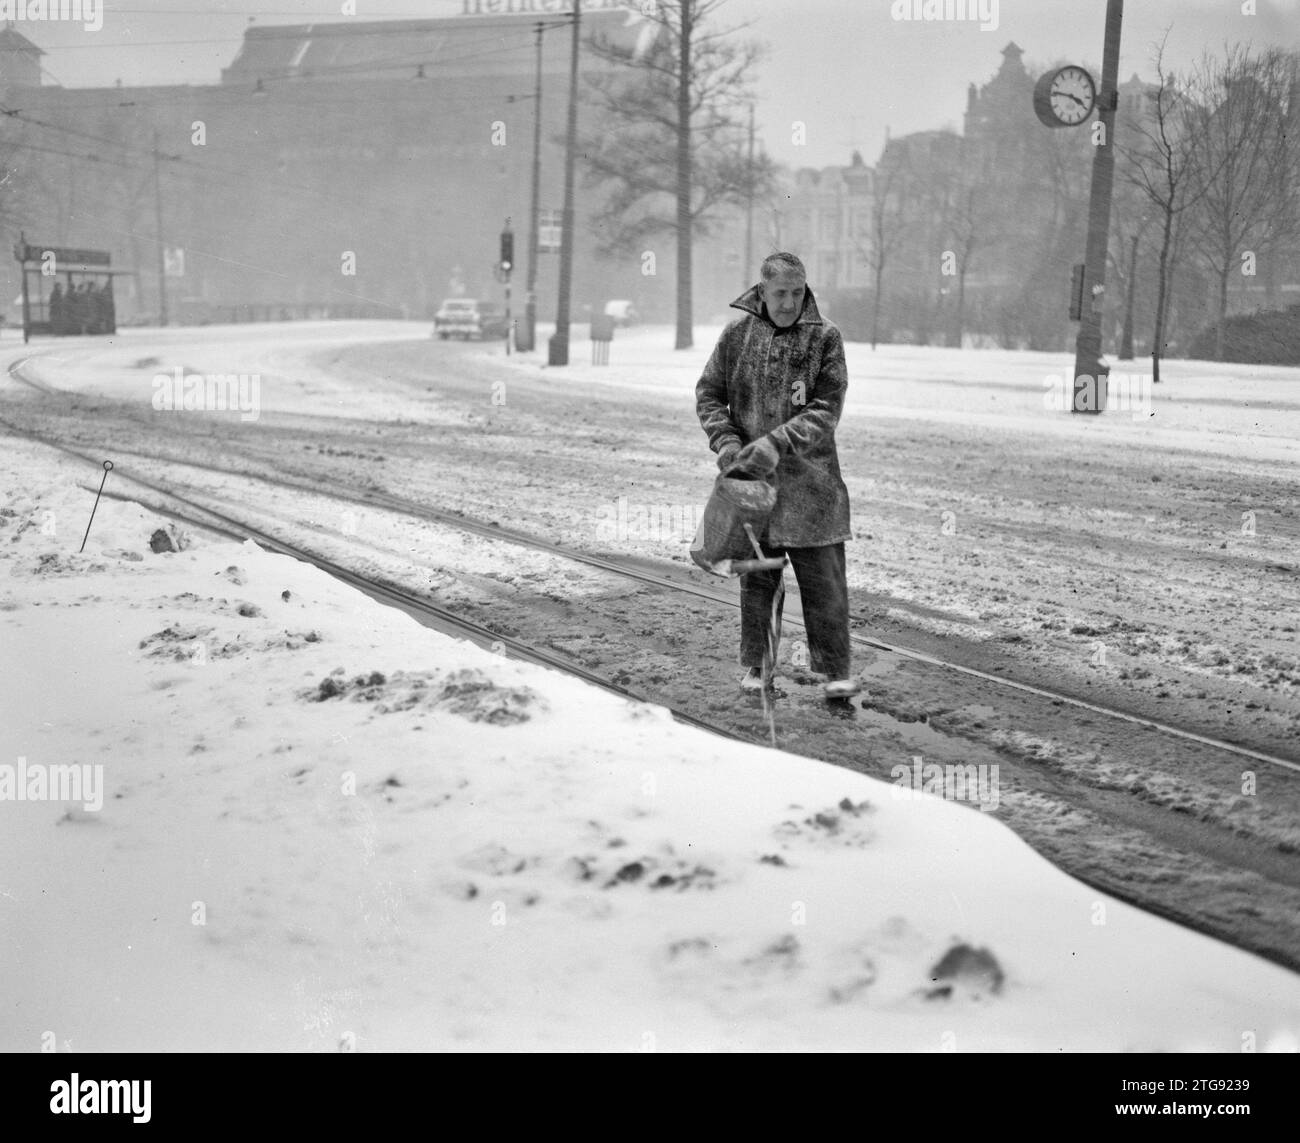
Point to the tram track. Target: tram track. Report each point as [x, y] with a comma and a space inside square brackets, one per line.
[668, 581]
[1246, 855]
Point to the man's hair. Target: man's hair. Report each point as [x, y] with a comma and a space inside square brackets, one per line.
[782, 262]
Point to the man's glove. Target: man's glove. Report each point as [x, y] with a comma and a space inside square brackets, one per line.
[726, 456]
[759, 458]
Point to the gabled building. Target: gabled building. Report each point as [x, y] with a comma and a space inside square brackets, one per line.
[20, 59]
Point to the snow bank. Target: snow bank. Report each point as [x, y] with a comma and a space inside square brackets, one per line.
[325, 826]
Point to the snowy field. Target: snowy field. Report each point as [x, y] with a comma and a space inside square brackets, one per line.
[303, 822]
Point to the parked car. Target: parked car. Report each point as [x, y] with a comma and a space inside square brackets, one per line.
[469, 317]
[622, 311]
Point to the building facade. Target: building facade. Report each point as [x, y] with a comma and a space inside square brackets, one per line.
[362, 168]
[973, 236]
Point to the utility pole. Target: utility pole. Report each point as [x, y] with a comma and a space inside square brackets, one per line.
[530, 297]
[685, 180]
[1126, 339]
[559, 344]
[1089, 373]
[162, 250]
[505, 268]
[749, 211]
[27, 302]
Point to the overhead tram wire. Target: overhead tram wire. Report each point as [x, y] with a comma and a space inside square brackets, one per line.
[206, 169]
[17, 113]
[203, 167]
[239, 181]
[237, 178]
[229, 39]
[405, 62]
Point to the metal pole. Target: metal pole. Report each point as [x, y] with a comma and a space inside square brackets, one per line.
[685, 180]
[1126, 339]
[1088, 369]
[162, 251]
[27, 305]
[530, 298]
[509, 271]
[749, 212]
[559, 345]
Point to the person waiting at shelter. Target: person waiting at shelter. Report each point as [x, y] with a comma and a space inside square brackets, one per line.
[58, 319]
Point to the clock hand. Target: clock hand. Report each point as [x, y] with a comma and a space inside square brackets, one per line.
[1076, 99]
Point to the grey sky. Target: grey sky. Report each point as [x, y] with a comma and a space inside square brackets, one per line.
[844, 68]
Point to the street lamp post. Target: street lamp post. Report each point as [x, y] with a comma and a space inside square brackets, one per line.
[1089, 373]
[749, 205]
[162, 247]
[559, 345]
[530, 297]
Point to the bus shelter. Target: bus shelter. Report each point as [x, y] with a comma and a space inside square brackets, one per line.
[67, 291]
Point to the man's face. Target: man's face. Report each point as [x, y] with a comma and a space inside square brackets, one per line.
[783, 296]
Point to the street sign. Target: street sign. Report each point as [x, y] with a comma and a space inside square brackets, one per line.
[1076, 292]
[62, 255]
[549, 231]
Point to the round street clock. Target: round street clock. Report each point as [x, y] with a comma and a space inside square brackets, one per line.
[1066, 97]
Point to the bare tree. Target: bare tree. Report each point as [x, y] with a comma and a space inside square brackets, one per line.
[888, 224]
[1237, 141]
[1283, 225]
[670, 149]
[1160, 165]
[973, 225]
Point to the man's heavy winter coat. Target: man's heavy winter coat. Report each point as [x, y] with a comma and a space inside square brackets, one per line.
[788, 385]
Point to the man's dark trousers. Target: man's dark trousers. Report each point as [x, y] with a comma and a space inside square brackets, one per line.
[823, 590]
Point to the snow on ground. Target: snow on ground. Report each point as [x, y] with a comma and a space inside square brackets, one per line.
[128, 365]
[1206, 407]
[323, 826]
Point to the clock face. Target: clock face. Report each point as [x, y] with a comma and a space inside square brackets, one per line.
[1072, 95]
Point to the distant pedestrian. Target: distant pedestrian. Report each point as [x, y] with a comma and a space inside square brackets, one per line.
[110, 312]
[769, 400]
[79, 309]
[57, 319]
[99, 309]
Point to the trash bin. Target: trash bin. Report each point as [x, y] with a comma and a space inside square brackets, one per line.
[602, 333]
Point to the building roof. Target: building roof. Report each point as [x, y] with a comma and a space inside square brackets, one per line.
[452, 45]
[12, 41]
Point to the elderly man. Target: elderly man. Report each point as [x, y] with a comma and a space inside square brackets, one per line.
[769, 400]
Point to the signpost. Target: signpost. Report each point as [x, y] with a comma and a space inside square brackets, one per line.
[505, 266]
[550, 232]
[558, 346]
[1089, 372]
[1066, 98]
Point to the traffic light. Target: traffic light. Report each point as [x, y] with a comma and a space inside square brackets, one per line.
[507, 249]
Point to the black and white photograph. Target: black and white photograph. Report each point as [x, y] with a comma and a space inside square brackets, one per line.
[650, 527]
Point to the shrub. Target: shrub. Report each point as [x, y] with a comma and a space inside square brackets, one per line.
[1271, 337]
